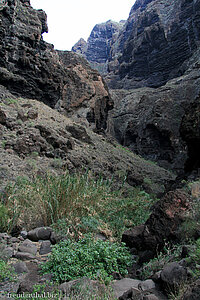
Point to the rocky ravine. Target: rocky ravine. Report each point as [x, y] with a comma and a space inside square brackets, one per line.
[161, 124]
[36, 138]
[30, 67]
[158, 46]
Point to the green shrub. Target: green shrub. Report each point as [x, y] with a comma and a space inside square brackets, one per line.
[5, 271]
[94, 259]
[4, 218]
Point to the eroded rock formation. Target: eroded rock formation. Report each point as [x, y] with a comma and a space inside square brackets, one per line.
[161, 124]
[161, 41]
[157, 39]
[30, 67]
[98, 46]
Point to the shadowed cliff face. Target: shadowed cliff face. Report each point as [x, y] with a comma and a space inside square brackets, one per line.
[30, 67]
[157, 38]
[161, 124]
[159, 48]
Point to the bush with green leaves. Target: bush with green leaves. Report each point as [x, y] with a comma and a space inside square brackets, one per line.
[5, 271]
[4, 218]
[89, 257]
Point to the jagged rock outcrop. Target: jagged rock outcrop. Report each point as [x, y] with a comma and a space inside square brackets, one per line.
[157, 39]
[163, 225]
[97, 48]
[30, 67]
[80, 47]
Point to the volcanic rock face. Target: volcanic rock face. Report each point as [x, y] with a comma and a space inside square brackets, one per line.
[30, 67]
[98, 46]
[161, 41]
[161, 124]
[157, 38]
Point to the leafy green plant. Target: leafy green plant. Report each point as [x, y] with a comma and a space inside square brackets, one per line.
[89, 258]
[4, 218]
[3, 144]
[194, 259]
[6, 273]
[125, 212]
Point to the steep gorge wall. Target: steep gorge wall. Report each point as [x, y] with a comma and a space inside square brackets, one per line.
[160, 48]
[30, 67]
[157, 39]
[98, 46]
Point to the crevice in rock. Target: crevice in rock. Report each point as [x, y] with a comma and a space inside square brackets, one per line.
[190, 133]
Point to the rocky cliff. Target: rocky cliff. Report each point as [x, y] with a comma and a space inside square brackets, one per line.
[158, 47]
[30, 67]
[150, 48]
[161, 124]
[157, 39]
[98, 46]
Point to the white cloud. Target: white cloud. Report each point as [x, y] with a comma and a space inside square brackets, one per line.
[68, 21]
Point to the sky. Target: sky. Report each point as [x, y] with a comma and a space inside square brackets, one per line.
[70, 20]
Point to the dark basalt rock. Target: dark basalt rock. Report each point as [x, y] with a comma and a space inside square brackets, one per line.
[98, 46]
[157, 39]
[98, 49]
[161, 124]
[162, 225]
[30, 67]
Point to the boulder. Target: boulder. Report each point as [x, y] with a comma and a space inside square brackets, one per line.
[40, 233]
[8, 252]
[162, 225]
[24, 256]
[147, 285]
[134, 238]
[173, 274]
[28, 247]
[20, 267]
[121, 287]
[23, 234]
[45, 247]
